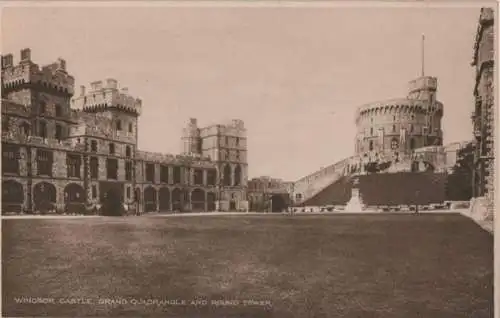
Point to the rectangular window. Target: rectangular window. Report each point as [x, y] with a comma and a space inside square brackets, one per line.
[94, 168]
[94, 192]
[211, 176]
[198, 176]
[59, 134]
[93, 146]
[42, 129]
[128, 170]
[44, 160]
[128, 192]
[150, 172]
[177, 175]
[73, 164]
[164, 174]
[10, 159]
[112, 168]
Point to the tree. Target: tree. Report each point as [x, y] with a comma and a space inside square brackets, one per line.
[459, 182]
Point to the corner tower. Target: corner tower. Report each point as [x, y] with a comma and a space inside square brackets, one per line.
[115, 111]
[44, 91]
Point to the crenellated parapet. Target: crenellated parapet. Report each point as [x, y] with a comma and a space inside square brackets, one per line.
[163, 158]
[26, 74]
[106, 95]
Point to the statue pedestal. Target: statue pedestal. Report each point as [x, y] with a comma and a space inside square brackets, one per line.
[355, 204]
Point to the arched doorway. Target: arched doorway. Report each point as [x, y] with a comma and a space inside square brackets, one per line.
[44, 197]
[74, 199]
[211, 198]
[278, 203]
[12, 196]
[164, 199]
[149, 199]
[227, 175]
[237, 176]
[177, 199]
[198, 200]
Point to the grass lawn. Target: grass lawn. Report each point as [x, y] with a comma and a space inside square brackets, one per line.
[301, 266]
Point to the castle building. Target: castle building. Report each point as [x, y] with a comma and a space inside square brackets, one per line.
[69, 153]
[266, 194]
[483, 115]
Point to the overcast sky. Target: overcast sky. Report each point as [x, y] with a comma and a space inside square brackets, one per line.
[295, 75]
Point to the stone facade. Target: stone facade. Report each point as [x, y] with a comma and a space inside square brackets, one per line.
[397, 127]
[269, 194]
[69, 151]
[483, 115]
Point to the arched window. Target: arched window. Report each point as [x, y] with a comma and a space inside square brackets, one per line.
[227, 175]
[370, 147]
[371, 131]
[393, 128]
[127, 151]
[237, 176]
[111, 148]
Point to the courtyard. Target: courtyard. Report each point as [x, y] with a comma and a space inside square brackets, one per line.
[365, 265]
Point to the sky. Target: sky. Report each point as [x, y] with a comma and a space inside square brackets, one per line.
[294, 75]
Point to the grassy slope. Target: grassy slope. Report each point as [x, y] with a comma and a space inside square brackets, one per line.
[309, 266]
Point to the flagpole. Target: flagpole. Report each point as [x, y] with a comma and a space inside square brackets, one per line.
[423, 55]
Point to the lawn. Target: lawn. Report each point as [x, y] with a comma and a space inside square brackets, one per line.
[261, 266]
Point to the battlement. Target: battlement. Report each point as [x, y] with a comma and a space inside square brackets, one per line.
[422, 83]
[50, 77]
[391, 106]
[103, 95]
[158, 157]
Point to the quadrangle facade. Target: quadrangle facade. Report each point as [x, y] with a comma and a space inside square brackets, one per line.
[62, 152]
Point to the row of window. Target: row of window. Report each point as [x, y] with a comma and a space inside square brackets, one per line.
[44, 159]
[118, 126]
[393, 129]
[42, 109]
[111, 148]
[394, 144]
[164, 175]
[41, 132]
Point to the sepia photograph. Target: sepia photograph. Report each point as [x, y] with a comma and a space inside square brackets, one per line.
[248, 159]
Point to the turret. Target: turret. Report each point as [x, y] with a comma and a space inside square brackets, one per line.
[52, 78]
[191, 138]
[106, 96]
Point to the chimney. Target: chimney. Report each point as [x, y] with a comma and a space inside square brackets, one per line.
[61, 64]
[193, 121]
[7, 61]
[82, 90]
[124, 90]
[25, 55]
